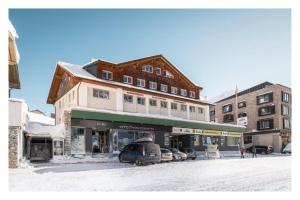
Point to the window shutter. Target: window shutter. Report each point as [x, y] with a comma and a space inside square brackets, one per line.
[282, 96]
[271, 123]
[257, 100]
[258, 125]
[281, 109]
[273, 109]
[271, 97]
[259, 111]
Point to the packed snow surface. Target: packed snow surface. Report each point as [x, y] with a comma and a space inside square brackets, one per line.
[252, 174]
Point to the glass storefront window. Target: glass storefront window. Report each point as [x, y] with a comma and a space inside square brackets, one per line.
[125, 137]
[77, 141]
[222, 140]
[233, 141]
[208, 140]
[196, 140]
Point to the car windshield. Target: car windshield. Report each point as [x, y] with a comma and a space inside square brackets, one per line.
[174, 150]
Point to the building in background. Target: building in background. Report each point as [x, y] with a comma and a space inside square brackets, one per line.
[13, 59]
[264, 109]
[105, 106]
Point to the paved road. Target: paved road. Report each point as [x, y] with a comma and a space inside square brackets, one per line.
[258, 174]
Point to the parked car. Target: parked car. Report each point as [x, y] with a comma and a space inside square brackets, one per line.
[287, 148]
[178, 155]
[166, 155]
[191, 153]
[261, 149]
[141, 153]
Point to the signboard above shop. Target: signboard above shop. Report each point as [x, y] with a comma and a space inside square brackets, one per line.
[242, 121]
[178, 130]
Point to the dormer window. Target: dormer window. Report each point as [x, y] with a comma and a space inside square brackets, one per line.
[107, 75]
[147, 68]
[140, 82]
[192, 94]
[183, 92]
[152, 85]
[168, 74]
[174, 90]
[158, 71]
[163, 88]
[127, 79]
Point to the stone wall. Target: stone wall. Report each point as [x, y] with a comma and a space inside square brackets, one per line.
[13, 147]
[67, 121]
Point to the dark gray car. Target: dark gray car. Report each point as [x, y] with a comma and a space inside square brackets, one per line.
[141, 153]
[191, 153]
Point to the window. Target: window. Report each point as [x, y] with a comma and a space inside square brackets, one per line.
[192, 94]
[212, 112]
[152, 85]
[183, 107]
[228, 118]
[192, 109]
[158, 71]
[242, 115]
[267, 110]
[265, 98]
[168, 74]
[183, 92]
[152, 102]
[77, 140]
[141, 101]
[285, 97]
[147, 68]
[242, 104]
[200, 110]
[163, 88]
[196, 140]
[208, 140]
[128, 98]
[286, 123]
[107, 75]
[227, 108]
[103, 94]
[285, 110]
[140, 82]
[127, 79]
[265, 124]
[174, 90]
[164, 104]
[174, 106]
[233, 141]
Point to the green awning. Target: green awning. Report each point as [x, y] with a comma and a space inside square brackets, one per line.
[103, 116]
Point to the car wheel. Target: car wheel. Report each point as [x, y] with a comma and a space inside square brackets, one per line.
[138, 162]
[193, 158]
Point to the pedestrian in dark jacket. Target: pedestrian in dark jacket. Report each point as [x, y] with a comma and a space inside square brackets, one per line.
[242, 150]
[253, 152]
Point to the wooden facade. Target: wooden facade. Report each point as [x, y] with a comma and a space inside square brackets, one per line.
[63, 80]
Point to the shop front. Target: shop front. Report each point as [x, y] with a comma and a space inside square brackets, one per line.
[93, 136]
[100, 132]
[198, 139]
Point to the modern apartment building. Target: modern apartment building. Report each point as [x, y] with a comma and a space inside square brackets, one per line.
[105, 106]
[264, 109]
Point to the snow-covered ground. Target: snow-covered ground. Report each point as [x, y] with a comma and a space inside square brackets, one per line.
[267, 173]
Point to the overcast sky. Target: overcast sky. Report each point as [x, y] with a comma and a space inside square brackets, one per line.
[216, 48]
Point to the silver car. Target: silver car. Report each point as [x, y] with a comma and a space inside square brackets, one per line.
[166, 155]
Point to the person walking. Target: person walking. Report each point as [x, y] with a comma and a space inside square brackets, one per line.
[242, 150]
[253, 152]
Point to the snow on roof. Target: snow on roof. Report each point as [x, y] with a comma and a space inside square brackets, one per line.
[12, 29]
[78, 71]
[152, 116]
[40, 118]
[38, 130]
